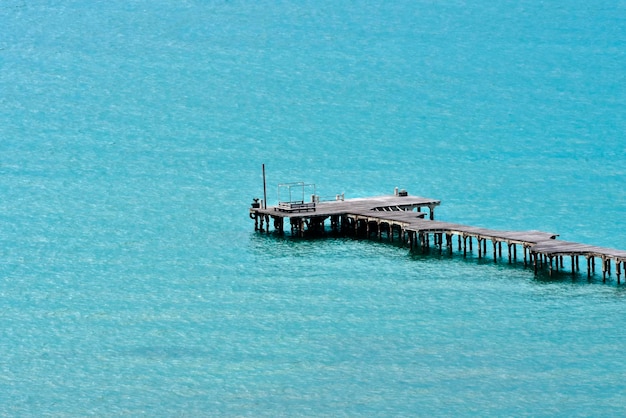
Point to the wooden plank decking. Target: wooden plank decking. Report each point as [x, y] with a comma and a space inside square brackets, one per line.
[402, 216]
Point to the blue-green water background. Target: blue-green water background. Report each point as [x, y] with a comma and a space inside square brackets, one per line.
[132, 135]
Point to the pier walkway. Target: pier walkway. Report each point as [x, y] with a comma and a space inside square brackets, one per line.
[411, 219]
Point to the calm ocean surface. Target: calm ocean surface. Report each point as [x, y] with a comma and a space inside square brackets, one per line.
[132, 135]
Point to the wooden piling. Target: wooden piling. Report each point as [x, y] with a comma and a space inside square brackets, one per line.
[360, 217]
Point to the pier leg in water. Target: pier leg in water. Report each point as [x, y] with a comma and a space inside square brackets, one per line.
[593, 265]
[550, 267]
[278, 224]
[464, 246]
[495, 256]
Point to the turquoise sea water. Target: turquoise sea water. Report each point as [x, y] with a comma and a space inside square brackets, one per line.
[131, 141]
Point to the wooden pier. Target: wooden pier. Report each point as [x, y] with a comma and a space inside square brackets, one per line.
[411, 220]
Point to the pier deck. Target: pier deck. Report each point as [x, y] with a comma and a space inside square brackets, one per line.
[401, 216]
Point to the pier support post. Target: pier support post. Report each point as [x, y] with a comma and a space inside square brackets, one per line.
[556, 259]
[465, 246]
[480, 247]
[278, 224]
[593, 265]
[432, 212]
[525, 250]
[550, 265]
[495, 255]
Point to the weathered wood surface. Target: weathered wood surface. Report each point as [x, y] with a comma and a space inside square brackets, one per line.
[355, 206]
[399, 211]
[395, 210]
[554, 248]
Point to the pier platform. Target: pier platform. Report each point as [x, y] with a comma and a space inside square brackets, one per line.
[411, 220]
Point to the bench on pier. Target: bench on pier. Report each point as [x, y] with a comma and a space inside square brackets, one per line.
[298, 206]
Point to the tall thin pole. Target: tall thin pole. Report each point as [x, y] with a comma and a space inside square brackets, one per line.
[264, 190]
